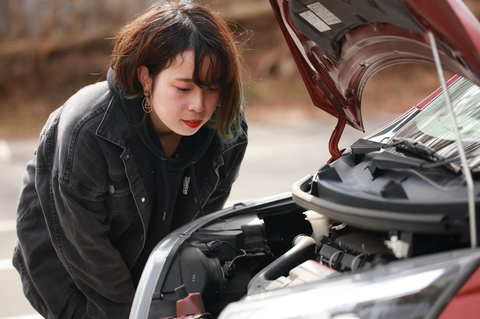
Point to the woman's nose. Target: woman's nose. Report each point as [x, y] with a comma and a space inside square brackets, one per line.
[198, 102]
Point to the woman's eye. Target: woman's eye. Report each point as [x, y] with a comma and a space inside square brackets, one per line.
[213, 89]
[183, 89]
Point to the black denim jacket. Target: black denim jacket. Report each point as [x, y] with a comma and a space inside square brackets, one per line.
[84, 209]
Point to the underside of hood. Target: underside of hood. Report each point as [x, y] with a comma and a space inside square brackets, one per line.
[338, 45]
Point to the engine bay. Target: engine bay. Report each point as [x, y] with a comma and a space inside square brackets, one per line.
[272, 248]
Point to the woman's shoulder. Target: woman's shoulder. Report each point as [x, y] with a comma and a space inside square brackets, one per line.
[86, 104]
[83, 112]
[71, 134]
[90, 101]
[74, 122]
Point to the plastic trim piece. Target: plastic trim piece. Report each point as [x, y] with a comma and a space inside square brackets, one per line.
[365, 218]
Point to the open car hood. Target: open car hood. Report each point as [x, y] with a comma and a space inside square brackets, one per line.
[339, 45]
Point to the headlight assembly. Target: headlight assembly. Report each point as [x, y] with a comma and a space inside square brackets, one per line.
[417, 288]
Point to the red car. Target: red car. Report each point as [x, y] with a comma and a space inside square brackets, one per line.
[388, 227]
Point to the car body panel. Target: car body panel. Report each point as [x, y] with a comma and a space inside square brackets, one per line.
[465, 302]
[337, 63]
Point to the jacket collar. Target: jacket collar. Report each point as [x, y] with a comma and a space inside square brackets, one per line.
[115, 126]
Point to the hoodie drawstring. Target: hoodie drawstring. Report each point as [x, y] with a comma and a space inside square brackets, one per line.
[167, 189]
[195, 191]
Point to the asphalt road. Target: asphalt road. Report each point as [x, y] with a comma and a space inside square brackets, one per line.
[277, 157]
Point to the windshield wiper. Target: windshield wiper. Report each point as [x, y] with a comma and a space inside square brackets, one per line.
[417, 150]
[414, 148]
[411, 147]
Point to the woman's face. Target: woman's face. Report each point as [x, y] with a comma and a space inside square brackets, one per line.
[179, 105]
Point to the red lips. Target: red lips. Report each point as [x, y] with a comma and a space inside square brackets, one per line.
[192, 123]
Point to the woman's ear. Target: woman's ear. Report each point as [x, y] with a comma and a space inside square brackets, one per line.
[144, 77]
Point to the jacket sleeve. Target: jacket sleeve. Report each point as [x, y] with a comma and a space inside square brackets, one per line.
[77, 218]
[228, 173]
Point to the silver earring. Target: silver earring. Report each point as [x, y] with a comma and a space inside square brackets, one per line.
[147, 102]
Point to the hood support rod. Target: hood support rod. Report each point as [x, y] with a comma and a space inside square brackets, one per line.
[337, 135]
[465, 168]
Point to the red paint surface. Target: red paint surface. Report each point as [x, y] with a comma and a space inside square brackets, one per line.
[466, 303]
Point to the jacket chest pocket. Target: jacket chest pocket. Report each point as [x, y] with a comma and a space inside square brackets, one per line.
[122, 211]
[127, 228]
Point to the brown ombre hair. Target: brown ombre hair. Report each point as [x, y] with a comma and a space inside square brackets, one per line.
[167, 29]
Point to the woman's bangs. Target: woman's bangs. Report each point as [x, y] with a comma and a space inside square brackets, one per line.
[210, 70]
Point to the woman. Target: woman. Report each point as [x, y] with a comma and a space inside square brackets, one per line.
[126, 161]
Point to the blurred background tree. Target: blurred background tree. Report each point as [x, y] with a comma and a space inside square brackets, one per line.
[49, 49]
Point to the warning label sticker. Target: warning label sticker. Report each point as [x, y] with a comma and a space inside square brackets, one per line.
[315, 21]
[324, 14]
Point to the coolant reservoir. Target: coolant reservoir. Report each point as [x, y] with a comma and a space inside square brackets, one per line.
[320, 224]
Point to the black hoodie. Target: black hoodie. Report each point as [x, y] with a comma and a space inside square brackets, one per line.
[171, 176]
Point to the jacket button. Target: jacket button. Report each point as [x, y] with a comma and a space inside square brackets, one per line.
[111, 189]
[141, 237]
[143, 199]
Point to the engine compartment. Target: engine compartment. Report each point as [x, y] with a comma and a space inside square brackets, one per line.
[269, 249]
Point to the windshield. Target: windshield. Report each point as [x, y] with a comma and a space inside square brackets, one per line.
[433, 128]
